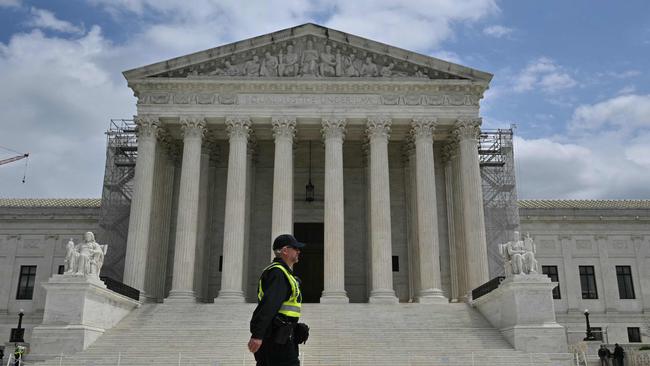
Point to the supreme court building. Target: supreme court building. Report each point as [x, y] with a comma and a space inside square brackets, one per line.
[231, 141]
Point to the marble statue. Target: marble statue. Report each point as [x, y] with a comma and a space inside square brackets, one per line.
[369, 68]
[252, 67]
[84, 259]
[350, 65]
[288, 63]
[307, 58]
[230, 69]
[519, 256]
[309, 62]
[387, 70]
[269, 65]
[327, 62]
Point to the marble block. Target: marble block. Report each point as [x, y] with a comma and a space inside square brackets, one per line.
[522, 309]
[78, 309]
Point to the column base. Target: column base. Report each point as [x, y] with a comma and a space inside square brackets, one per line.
[432, 296]
[180, 297]
[230, 297]
[383, 296]
[334, 297]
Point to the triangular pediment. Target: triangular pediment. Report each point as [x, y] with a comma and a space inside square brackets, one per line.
[307, 51]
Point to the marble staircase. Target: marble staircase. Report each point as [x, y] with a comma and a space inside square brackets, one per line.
[352, 334]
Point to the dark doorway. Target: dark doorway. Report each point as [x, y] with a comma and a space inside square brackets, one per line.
[310, 267]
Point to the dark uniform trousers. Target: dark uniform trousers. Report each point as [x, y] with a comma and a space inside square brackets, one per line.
[274, 354]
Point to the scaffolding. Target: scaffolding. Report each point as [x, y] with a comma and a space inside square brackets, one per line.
[497, 164]
[117, 191]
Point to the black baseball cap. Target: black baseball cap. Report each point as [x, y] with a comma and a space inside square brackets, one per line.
[286, 240]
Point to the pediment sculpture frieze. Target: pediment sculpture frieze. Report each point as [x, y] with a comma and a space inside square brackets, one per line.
[307, 57]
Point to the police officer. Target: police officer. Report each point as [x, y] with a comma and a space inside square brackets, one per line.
[278, 309]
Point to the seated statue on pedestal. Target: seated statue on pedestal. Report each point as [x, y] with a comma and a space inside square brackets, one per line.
[85, 259]
[519, 256]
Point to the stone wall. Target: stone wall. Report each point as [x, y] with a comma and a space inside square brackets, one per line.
[36, 236]
[603, 238]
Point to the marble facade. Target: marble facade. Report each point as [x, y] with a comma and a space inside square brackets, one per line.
[247, 108]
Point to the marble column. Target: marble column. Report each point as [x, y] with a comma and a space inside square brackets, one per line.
[159, 229]
[467, 132]
[140, 219]
[199, 272]
[333, 131]
[408, 155]
[427, 217]
[459, 232]
[193, 129]
[378, 131]
[235, 216]
[447, 156]
[284, 130]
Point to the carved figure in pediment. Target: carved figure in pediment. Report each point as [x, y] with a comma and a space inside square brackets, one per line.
[369, 68]
[269, 65]
[387, 70]
[327, 62]
[230, 69]
[252, 67]
[288, 64]
[350, 65]
[309, 62]
[217, 71]
[420, 74]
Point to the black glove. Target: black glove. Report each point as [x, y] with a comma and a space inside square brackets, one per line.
[301, 333]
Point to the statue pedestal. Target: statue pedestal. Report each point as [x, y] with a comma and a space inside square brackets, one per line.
[78, 310]
[522, 309]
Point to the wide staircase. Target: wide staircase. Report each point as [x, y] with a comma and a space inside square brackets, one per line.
[354, 334]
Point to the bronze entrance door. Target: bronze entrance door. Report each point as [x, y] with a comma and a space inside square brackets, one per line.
[310, 267]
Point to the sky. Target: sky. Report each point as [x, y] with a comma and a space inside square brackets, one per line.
[571, 76]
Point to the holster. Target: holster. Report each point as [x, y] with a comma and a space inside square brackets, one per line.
[282, 330]
[301, 333]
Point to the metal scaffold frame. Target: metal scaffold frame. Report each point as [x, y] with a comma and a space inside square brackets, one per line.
[497, 165]
[117, 191]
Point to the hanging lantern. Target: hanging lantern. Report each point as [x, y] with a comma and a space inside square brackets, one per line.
[309, 188]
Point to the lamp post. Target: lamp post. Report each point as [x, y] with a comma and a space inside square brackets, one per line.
[18, 334]
[590, 336]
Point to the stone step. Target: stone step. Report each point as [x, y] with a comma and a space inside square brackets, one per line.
[352, 334]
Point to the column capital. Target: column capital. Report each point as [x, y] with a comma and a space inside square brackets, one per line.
[284, 127]
[467, 128]
[192, 127]
[147, 126]
[378, 127]
[238, 126]
[422, 127]
[333, 127]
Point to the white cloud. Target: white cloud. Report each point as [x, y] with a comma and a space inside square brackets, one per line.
[57, 98]
[10, 3]
[625, 112]
[544, 74]
[45, 19]
[447, 56]
[497, 31]
[412, 24]
[585, 169]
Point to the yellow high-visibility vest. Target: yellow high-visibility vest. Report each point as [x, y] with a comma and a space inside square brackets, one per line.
[292, 306]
